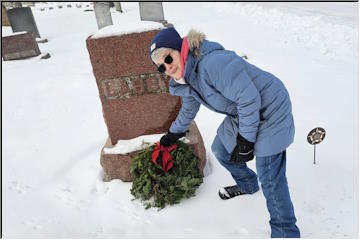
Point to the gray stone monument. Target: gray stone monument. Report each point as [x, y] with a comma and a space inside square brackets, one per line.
[118, 6]
[151, 11]
[102, 14]
[22, 19]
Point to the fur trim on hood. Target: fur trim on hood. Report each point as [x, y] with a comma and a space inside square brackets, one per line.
[195, 38]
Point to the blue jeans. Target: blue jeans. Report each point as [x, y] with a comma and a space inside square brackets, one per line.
[271, 172]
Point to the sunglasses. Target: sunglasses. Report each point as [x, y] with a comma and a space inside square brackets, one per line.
[168, 59]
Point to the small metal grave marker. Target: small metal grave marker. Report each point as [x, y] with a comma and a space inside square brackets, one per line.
[316, 136]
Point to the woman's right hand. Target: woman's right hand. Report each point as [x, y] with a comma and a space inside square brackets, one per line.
[170, 138]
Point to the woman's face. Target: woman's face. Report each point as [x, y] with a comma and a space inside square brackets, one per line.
[173, 69]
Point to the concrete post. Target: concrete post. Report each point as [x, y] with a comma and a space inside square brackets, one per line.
[102, 14]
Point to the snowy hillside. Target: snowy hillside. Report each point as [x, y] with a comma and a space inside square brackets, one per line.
[53, 128]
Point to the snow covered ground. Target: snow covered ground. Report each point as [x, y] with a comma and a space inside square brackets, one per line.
[53, 128]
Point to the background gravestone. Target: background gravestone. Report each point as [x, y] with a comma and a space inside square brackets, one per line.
[151, 11]
[19, 46]
[4, 18]
[102, 14]
[134, 96]
[118, 6]
[21, 19]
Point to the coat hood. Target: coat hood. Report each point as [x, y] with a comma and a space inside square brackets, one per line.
[198, 44]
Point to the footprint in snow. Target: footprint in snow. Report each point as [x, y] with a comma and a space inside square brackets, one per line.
[19, 188]
[98, 232]
[188, 230]
[35, 223]
[66, 195]
[99, 189]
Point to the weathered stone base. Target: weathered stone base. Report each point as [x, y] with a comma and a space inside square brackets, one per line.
[117, 166]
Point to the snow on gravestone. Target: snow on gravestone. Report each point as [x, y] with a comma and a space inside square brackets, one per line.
[134, 96]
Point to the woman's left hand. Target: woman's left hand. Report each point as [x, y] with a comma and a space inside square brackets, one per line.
[243, 151]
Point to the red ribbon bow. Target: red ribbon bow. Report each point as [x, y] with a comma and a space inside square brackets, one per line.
[166, 156]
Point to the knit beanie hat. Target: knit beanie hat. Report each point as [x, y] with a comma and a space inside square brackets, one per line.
[168, 38]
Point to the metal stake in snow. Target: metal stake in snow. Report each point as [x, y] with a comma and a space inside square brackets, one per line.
[316, 136]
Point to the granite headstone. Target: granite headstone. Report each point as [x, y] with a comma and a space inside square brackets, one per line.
[22, 19]
[19, 46]
[134, 96]
[151, 11]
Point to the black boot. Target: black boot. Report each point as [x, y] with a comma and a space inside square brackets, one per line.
[229, 192]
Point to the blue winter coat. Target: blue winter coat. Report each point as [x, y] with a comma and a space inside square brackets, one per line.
[256, 102]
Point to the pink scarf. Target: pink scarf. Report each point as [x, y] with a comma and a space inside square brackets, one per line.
[184, 55]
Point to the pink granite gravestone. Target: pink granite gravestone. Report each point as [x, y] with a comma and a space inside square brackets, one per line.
[134, 96]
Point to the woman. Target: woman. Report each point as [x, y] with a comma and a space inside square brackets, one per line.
[259, 119]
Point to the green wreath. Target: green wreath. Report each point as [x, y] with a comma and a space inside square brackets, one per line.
[156, 188]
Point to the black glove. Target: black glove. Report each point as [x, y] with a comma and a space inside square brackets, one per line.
[243, 152]
[170, 138]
